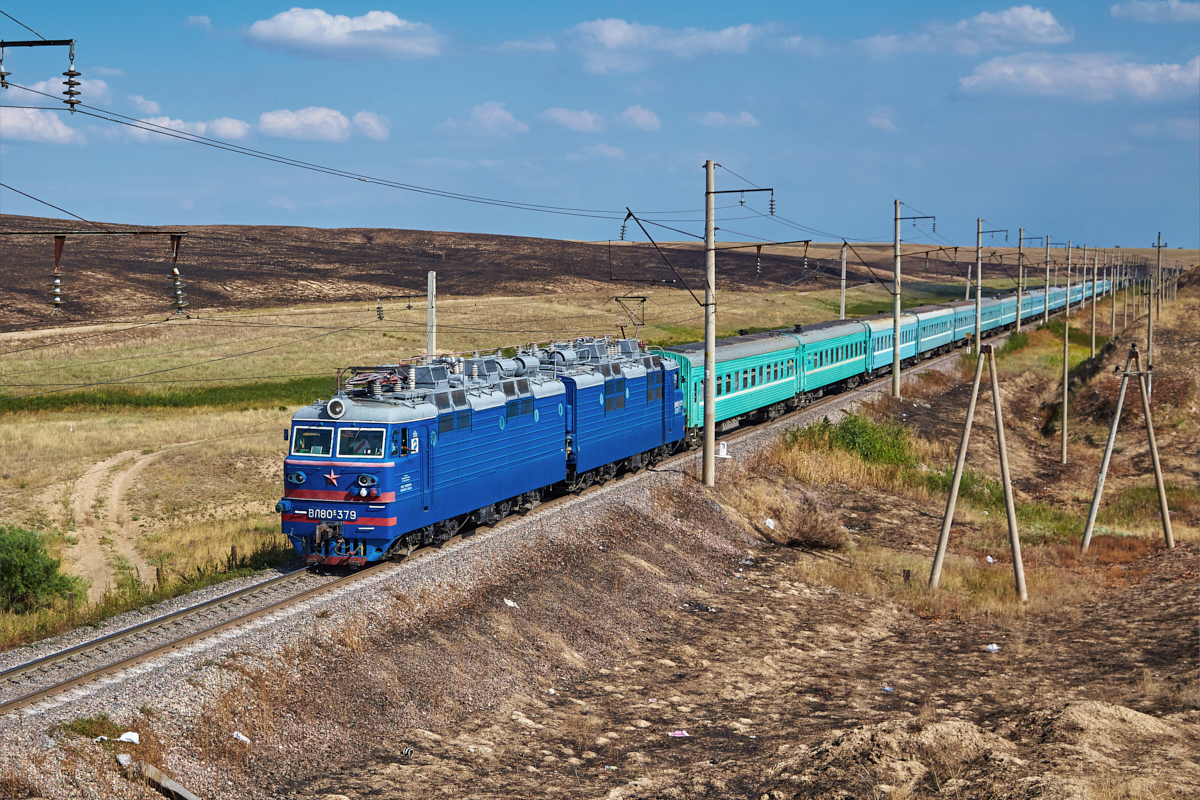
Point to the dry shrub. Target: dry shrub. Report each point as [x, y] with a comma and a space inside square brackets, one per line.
[1097, 401]
[251, 699]
[797, 516]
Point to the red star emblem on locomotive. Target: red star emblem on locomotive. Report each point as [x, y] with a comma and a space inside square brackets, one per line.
[331, 477]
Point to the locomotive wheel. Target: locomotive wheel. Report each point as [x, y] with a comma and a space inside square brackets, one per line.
[503, 509]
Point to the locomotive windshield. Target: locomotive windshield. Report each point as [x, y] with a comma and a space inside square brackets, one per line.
[360, 442]
[312, 442]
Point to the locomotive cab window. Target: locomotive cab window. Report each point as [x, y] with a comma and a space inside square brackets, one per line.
[312, 442]
[399, 446]
[361, 442]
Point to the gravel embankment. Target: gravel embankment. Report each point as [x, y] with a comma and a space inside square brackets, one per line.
[179, 684]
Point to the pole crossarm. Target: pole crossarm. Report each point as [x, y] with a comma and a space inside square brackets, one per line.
[39, 43]
[762, 244]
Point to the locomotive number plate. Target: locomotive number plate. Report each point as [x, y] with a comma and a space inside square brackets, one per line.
[332, 513]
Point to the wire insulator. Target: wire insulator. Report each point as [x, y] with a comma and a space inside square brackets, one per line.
[3, 75]
[177, 290]
[56, 287]
[71, 83]
[378, 309]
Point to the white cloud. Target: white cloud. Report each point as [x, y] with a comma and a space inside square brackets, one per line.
[642, 118]
[143, 105]
[198, 21]
[220, 128]
[32, 125]
[1157, 11]
[311, 31]
[614, 45]
[92, 91]
[881, 118]
[583, 121]
[1019, 25]
[1086, 76]
[108, 72]
[488, 119]
[715, 119]
[372, 125]
[813, 46]
[313, 123]
[282, 201]
[227, 128]
[520, 46]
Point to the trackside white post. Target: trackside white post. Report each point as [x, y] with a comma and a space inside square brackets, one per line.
[431, 315]
[939, 555]
[896, 310]
[842, 312]
[710, 327]
[1014, 538]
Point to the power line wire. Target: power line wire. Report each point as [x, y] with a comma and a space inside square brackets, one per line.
[23, 25]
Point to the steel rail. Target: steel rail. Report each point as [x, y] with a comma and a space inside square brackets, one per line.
[125, 633]
[15, 704]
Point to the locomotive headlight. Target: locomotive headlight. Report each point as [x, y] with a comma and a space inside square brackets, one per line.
[367, 480]
[296, 477]
[336, 408]
[362, 492]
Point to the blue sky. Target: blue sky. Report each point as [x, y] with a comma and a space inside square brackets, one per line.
[1075, 119]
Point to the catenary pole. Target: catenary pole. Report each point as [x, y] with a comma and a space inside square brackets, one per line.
[842, 312]
[1046, 298]
[896, 309]
[1020, 273]
[431, 315]
[1159, 290]
[1095, 268]
[978, 284]
[710, 326]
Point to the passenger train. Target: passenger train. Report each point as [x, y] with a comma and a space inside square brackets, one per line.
[410, 454]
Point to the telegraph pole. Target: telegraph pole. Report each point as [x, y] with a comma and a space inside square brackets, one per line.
[431, 315]
[842, 313]
[710, 326]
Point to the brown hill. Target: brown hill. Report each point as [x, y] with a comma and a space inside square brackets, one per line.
[246, 266]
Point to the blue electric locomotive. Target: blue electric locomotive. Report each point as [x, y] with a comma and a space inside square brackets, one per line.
[409, 454]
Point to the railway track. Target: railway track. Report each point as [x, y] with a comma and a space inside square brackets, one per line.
[64, 670]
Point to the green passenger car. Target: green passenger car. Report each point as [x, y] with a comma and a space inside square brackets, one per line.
[754, 371]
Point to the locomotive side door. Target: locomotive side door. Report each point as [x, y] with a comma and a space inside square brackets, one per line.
[420, 445]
